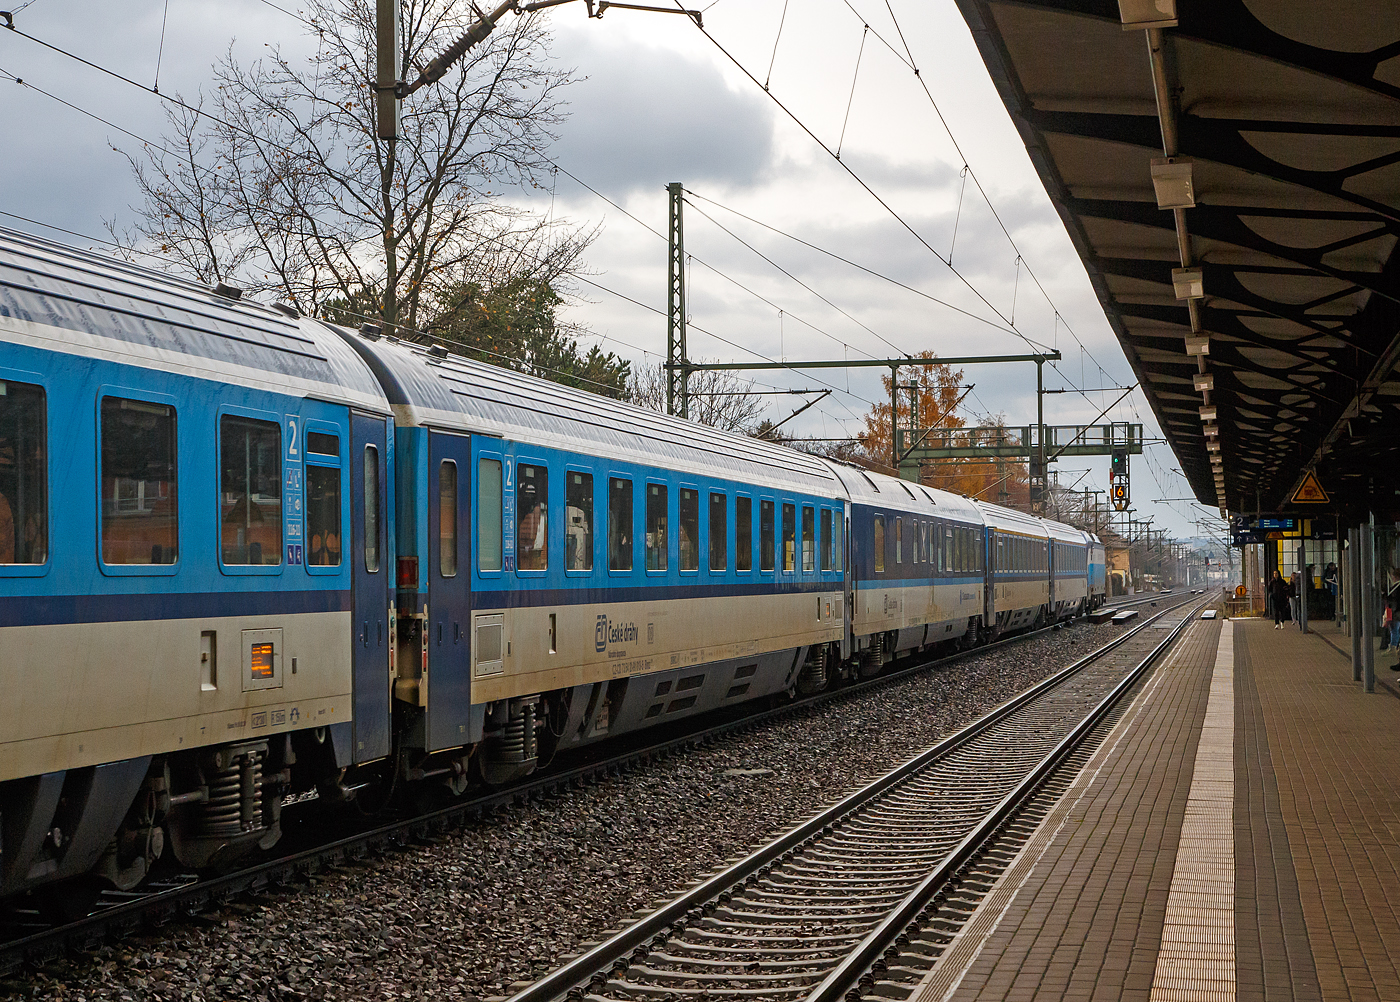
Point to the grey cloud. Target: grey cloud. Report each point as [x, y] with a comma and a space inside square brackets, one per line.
[643, 118]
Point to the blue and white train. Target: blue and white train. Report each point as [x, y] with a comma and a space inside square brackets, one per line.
[246, 554]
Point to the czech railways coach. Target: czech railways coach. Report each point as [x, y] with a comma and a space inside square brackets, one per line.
[193, 564]
[572, 567]
[247, 556]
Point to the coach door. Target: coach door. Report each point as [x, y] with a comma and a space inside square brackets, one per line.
[449, 577]
[371, 582]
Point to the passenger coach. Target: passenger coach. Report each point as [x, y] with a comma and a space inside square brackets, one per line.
[193, 565]
[916, 567]
[572, 567]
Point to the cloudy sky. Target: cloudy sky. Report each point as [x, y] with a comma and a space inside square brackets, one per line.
[657, 101]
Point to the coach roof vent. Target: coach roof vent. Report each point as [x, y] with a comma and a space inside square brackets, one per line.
[371, 331]
[228, 291]
[288, 310]
[438, 351]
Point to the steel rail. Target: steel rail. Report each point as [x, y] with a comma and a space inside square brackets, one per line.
[847, 975]
[602, 957]
[192, 897]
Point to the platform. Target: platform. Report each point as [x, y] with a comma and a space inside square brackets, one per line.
[1236, 836]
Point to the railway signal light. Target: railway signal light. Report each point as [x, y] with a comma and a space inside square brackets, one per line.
[1118, 477]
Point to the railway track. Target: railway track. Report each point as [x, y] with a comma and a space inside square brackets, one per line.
[27, 937]
[864, 896]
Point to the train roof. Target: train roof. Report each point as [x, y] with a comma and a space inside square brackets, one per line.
[453, 393]
[1011, 520]
[1065, 533]
[79, 302]
[869, 487]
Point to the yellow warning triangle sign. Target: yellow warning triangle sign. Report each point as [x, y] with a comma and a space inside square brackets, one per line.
[1309, 491]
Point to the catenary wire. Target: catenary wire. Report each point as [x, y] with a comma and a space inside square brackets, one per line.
[865, 185]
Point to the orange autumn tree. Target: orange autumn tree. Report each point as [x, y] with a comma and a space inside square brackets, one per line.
[1000, 481]
[938, 389]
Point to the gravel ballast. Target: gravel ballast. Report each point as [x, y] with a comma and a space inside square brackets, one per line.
[501, 899]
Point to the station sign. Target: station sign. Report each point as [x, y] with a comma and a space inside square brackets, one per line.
[1264, 523]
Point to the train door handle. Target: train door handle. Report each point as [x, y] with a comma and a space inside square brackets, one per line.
[456, 633]
[439, 634]
[379, 633]
[364, 633]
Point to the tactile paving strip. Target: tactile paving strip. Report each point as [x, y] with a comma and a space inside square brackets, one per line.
[1196, 962]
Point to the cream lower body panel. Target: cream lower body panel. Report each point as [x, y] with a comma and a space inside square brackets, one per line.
[84, 694]
[598, 642]
[1012, 596]
[1070, 592]
[882, 607]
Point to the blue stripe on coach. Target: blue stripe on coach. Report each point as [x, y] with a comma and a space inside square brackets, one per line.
[54, 610]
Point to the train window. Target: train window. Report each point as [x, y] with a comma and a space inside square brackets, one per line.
[838, 543]
[578, 521]
[488, 515]
[619, 524]
[765, 536]
[250, 491]
[24, 503]
[944, 545]
[371, 509]
[719, 531]
[531, 518]
[809, 540]
[447, 518]
[899, 540]
[322, 444]
[789, 537]
[323, 516]
[656, 527]
[918, 541]
[743, 533]
[689, 521]
[879, 544]
[140, 503]
[826, 539]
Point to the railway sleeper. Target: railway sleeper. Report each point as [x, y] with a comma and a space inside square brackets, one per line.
[659, 975]
[634, 990]
[745, 962]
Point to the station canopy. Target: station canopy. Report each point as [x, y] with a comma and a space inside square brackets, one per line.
[1273, 207]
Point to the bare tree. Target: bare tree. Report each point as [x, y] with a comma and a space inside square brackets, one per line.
[717, 398]
[279, 183]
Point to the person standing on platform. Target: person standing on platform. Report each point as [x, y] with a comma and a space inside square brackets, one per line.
[1329, 581]
[1278, 594]
[1390, 614]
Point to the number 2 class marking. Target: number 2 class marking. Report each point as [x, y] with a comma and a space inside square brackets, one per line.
[291, 436]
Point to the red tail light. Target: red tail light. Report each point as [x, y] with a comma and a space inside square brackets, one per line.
[408, 572]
